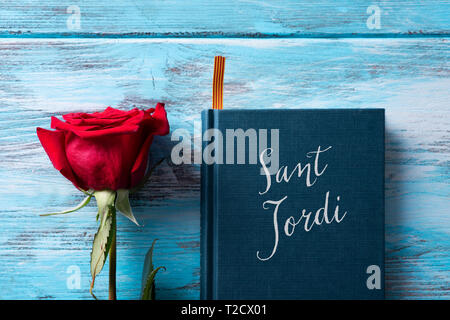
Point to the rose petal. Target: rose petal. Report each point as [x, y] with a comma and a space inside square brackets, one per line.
[89, 132]
[160, 124]
[140, 166]
[103, 162]
[53, 143]
[108, 113]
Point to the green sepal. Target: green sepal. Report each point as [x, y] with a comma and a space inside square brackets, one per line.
[78, 207]
[148, 275]
[89, 192]
[123, 204]
[105, 234]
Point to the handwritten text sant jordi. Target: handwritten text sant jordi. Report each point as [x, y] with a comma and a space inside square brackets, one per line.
[308, 219]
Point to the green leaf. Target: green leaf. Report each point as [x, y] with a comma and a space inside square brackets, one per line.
[105, 234]
[148, 275]
[148, 263]
[78, 207]
[149, 290]
[123, 205]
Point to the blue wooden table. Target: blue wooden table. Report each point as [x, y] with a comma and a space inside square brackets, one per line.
[82, 55]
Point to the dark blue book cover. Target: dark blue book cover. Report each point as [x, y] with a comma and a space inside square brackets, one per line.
[292, 204]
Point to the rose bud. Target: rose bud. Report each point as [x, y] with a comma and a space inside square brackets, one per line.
[104, 150]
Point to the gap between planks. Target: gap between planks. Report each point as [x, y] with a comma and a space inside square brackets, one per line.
[218, 35]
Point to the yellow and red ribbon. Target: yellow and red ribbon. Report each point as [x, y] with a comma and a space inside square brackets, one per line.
[219, 70]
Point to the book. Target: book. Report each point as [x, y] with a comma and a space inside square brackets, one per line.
[292, 204]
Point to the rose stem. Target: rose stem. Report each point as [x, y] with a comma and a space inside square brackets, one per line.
[112, 260]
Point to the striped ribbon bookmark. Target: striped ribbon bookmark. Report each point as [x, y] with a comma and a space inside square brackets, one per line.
[219, 69]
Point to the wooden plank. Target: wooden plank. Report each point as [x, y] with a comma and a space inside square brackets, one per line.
[172, 18]
[40, 78]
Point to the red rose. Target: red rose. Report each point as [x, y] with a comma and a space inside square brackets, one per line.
[104, 150]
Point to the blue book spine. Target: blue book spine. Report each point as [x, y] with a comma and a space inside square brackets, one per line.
[206, 220]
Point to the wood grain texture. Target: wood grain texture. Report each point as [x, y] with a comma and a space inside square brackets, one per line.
[40, 78]
[246, 18]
